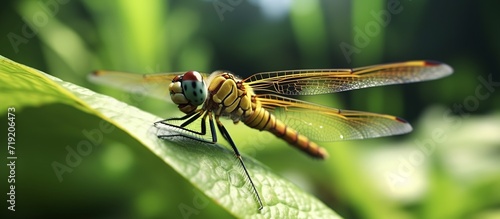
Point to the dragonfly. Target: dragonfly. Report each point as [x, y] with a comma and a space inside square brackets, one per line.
[265, 101]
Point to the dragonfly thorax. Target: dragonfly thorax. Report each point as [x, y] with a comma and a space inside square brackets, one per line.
[229, 97]
[188, 91]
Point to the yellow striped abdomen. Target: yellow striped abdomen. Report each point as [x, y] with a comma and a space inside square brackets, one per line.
[262, 119]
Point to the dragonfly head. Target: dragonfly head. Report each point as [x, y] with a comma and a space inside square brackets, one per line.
[188, 91]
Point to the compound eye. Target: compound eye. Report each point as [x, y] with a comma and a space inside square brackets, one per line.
[194, 88]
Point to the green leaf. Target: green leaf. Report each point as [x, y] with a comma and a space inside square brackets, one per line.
[211, 168]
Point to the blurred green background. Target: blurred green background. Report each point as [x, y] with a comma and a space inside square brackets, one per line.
[449, 167]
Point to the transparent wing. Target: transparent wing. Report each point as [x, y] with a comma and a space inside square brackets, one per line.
[321, 81]
[155, 85]
[321, 123]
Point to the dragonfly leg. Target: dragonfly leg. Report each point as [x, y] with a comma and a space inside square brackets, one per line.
[196, 114]
[226, 136]
[212, 127]
[190, 118]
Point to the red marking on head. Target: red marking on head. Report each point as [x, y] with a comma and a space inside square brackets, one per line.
[176, 78]
[192, 76]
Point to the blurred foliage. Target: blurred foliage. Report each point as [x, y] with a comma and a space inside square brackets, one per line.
[71, 38]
